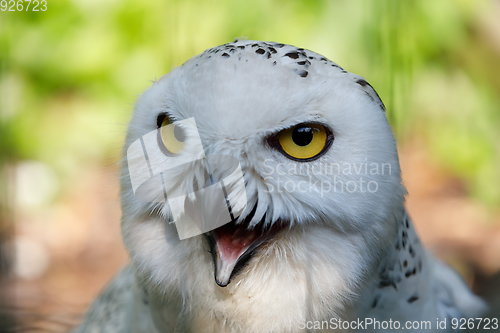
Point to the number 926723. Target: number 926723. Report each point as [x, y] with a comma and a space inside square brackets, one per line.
[23, 5]
[475, 323]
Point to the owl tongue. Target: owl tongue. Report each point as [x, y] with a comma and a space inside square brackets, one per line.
[231, 243]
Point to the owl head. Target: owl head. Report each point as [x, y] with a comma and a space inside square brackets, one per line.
[317, 157]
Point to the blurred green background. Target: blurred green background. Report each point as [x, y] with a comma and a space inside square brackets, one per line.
[69, 77]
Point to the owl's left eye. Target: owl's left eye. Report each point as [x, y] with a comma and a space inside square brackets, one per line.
[304, 142]
[170, 136]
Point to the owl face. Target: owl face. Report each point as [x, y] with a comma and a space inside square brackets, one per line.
[314, 146]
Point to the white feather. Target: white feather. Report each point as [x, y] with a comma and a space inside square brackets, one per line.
[328, 264]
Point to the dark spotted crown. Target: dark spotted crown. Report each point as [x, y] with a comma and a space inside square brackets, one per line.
[299, 60]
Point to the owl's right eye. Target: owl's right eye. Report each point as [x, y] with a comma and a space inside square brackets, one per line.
[170, 136]
[304, 142]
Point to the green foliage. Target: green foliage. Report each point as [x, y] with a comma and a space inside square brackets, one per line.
[69, 76]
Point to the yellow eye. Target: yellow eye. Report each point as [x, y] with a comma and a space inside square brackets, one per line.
[305, 142]
[170, 137]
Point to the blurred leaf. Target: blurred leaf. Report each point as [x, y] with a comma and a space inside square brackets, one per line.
[69, 76]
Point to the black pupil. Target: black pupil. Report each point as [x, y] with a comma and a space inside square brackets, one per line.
[302, 136]
[179, 134]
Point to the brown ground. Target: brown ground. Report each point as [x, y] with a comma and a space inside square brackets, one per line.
[85, 248]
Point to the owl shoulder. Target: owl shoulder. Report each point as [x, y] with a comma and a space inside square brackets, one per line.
[111, 311]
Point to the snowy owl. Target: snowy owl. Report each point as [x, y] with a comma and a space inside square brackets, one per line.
[322, 241]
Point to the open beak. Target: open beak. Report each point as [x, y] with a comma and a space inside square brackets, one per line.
[232, 245]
